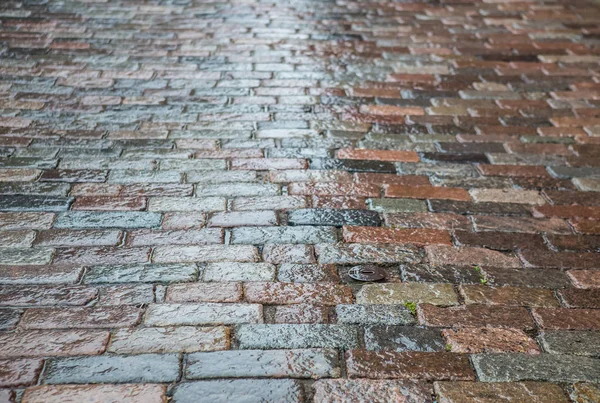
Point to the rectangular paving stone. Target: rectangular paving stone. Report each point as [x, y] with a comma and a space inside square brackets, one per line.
[19, 372]
[39, 274]
[564, 318]
[573, 342]
[269, 202]
[204, 292]
[475, 316]
[408, 365]
[466, 256]
[419, 237]
[366, 253]
[202, 314]
[68, 237]
[544, 367]
[373, 314]
[175, 237]
[17, 239]
[81, 317]
[258, 363]
[200, 204]
[514, 296]
[142, 368]
[34, 203]
[284, 235]
[104, 254]
[333, 217]
[489, 340]
[290, 293]
[236, 271]
[237, 189]
[397, 205]
[243, 219]
[230, 390]
[36, 295]
[185, 339]
[24, 256]
[296, 336]
[575, 298]
[129, 219]
[207, 253]
[366, 390]
[437, 294]
[476, 392]
[45, 343]
[144, 393]
[17, 221]
[403, 338]
[141, 273]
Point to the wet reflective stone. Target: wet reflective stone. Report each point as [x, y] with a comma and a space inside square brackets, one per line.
[141, 273]
[95, 393]
[403, 338]
[46, 295]
[258, 363]
[351, 165]
[408, 365]
[479, 392]
[543, 367]
[129, 219]
[284, 235]
[438, 294]
[576, 342]
[19, 372]
[334, 217]
[374, 314]
[34, 203]
[224, 391]
[365, 391]
[296, 336]
[202, 314]
[168, 340]
[36, 343]
[143, 368]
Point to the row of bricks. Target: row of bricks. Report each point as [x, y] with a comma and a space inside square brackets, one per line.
[301, 363]
[219, 288]
[288, 272]
[325, 391]
[323, 253]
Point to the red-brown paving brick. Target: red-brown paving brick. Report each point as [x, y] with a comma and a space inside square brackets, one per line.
[353, 234]
[475, 315]
[166, 194]
[408, 365]
[585, 278]
[489, 340]
[568, 319]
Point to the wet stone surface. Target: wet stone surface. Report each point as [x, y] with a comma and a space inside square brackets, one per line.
[185, 186]
[334, 217]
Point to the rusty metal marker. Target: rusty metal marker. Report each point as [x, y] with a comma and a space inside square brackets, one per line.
[366, 273]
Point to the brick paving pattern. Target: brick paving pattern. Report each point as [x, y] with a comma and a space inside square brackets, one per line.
[185, 185]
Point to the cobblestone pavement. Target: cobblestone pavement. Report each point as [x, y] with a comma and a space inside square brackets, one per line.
[186, 185]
